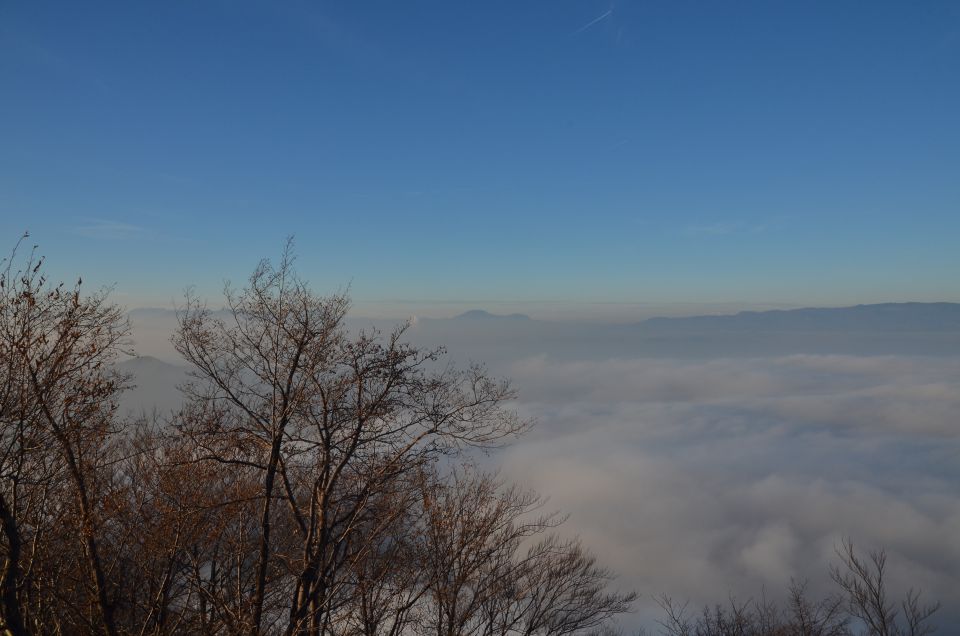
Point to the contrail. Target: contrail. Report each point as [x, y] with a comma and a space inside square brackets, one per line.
[589, 24]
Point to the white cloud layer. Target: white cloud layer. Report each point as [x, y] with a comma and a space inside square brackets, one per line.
[696, 471]
[703, 478]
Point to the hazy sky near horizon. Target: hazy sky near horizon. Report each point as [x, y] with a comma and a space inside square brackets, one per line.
[494, 154]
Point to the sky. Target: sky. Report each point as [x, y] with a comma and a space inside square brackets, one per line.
[557, 158]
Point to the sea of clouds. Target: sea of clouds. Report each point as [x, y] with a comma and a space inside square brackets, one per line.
[712, 473]
[708, 478]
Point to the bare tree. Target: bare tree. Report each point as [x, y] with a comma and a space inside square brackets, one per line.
[59, 399]
[565, 590]
[485, 582]
[863, 581]
[863, 602]
[328, 420]
[474, 528]
[815, 618]
[677, 620]
[389, 578]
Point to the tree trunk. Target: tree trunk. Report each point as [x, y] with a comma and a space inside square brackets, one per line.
[264, 555]
[12, 617]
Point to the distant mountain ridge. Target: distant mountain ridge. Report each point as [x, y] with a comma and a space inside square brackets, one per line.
[912, 316]
[907, 316]
[154, 387]
[480, 314]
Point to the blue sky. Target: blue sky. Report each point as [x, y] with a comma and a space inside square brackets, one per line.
[494, 153]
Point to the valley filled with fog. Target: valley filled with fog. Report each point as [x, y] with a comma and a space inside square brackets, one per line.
[717, 455]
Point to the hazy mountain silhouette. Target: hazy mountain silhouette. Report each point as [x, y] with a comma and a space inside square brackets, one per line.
[902, 317]
[155, 385]
[889, 328]
[480, 314]
[479, 335]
